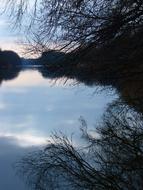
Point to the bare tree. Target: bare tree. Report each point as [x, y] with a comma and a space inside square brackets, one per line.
[80, 23]
[112, 158]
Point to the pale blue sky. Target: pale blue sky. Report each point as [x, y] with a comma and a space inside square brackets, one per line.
[9, 37]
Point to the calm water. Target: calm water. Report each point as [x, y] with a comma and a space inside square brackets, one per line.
[32, 107]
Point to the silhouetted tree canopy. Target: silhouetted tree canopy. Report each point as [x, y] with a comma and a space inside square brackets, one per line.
[9, 59]
[10, 65]
[80, 23]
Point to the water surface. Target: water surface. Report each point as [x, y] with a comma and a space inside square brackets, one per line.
[31, 107]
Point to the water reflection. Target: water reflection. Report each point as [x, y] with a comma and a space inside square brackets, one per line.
[117, 154]
[31, 107]
[124, 76]
[112, 159]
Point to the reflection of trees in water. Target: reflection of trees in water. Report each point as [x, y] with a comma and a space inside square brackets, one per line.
[112, 159]
[126, 78]
[9, 73]
[117, 64]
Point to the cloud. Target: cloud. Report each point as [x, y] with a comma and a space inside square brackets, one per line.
[24, 140]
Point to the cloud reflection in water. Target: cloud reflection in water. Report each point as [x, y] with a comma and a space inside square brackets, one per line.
[31, 108]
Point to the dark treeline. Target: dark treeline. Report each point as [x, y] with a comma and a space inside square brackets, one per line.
[10, 65]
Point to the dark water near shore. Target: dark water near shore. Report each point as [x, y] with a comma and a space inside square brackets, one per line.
[31, 107]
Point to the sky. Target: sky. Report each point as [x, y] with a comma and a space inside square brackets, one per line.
[15, 38]
[10, 37]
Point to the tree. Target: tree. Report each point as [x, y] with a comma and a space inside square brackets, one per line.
[112, 158]
[76, 24]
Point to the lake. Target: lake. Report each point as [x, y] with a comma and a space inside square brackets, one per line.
[32, 107]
